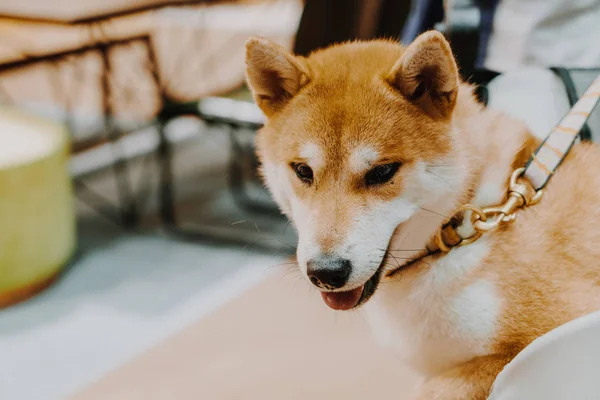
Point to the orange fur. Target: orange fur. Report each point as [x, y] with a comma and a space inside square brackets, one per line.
[408, 106]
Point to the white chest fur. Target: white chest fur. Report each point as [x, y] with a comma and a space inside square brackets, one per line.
[437, 317]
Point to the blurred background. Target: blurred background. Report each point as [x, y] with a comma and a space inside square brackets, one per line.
[140, 255]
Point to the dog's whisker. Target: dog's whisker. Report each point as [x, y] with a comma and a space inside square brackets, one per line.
[443, 180]
[291, 272]
[395, 259]
[288, 264]
[434, 212]
[402, 258]
[286, 227]
[415, 250]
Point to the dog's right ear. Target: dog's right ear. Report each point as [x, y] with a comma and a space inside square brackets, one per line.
[274, 75]
[427, 75]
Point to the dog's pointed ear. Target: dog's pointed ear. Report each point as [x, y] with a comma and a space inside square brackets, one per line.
[273, 74]
[426, 74]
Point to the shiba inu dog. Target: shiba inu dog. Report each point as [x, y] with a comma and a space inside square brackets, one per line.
[370, 148]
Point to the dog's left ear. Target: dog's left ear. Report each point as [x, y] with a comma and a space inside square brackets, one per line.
[273, 74]
[426, 74]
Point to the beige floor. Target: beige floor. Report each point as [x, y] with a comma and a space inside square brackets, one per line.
[277, 341]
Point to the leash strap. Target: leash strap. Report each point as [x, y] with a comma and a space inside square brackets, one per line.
[525, 192]
[557, 144]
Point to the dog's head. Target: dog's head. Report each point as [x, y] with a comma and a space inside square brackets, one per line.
[360, 152]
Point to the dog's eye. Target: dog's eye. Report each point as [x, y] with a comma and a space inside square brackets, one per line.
[381, 174]
[303, 172]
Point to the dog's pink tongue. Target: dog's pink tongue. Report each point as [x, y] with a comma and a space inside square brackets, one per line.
[342, 300]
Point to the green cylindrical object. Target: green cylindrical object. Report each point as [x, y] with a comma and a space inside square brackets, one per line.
[37, 218]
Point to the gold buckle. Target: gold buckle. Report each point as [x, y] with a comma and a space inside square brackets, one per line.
[521, 194]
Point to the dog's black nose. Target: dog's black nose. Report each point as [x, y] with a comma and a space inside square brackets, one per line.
[329, 272]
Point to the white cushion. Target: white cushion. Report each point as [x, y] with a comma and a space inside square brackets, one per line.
[535, 95]
[564, 364]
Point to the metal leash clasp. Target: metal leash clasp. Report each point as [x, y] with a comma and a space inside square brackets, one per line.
[521, 194]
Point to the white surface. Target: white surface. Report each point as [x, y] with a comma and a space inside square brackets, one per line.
[279, 17]
[564, 364]
[535, 95]
[118, 301]
[135, 144]
[545, 33]
[21, 143]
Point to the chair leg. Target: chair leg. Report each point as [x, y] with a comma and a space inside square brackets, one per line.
[236, 178]
[166, 185]
[127, 203]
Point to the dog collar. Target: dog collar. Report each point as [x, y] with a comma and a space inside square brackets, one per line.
[526, 183]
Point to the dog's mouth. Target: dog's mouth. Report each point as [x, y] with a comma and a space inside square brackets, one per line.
[354, 298]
